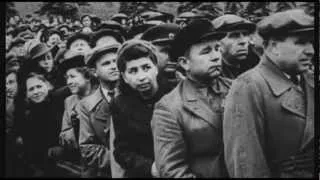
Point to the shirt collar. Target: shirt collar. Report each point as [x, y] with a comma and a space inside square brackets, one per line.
[105, 93]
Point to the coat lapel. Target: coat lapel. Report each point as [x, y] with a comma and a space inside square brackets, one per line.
[291, 99]
[294, 103]
[308, 134]
[198, 107]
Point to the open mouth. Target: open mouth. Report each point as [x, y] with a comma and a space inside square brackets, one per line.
[144, 86]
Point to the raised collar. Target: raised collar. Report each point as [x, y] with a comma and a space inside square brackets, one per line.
[275, 78]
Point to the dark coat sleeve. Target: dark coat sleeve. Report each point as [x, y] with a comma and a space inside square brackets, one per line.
[134, 163]
[169, 144]
[243, 131]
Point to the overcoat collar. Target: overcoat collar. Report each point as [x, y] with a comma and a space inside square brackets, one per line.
[193, 103]
[275, 78]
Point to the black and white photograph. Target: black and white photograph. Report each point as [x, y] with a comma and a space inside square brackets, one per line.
[222, 89]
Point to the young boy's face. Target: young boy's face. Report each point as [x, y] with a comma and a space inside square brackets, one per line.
[106, 67]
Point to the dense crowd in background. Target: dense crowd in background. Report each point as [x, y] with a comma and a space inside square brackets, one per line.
[75, 105]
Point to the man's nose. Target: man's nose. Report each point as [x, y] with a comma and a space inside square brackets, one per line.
[141, 76]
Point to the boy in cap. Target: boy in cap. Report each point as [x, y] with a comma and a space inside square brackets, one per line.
[186, 122]
[94, 114]
[268, 127]
[237, 53]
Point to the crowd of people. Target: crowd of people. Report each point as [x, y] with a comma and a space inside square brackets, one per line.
[158, 96]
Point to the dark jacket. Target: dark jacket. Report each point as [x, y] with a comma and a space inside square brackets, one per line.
[40, 128]
[267, 122]
[133, 143]
[187, 133]
[232, 72]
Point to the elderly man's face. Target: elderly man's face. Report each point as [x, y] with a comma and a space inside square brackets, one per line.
[235, 46]
[294, 54]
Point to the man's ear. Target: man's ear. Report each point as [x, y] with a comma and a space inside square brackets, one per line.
[94, 72]
[273, 47]
[184, 63]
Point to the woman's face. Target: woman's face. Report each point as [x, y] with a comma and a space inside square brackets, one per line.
[37, 90]
[11, 85]
[86, 21]
[76, 82]
[54, 39]
[47, 62]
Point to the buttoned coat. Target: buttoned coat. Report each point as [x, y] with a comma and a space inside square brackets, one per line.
[187, 134]
[67, 130]
[267, 119]
[94, 116]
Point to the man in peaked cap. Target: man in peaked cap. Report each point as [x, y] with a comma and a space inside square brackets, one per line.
[187, 121]
[94, 113]
[161, 37]
[268, 126]
[238, 54]
[136, 31]
[185, 17]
